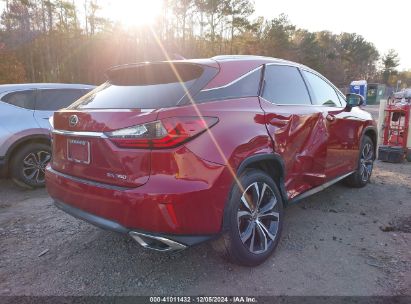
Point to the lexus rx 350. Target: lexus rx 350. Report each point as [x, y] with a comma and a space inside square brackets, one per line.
[181, 152]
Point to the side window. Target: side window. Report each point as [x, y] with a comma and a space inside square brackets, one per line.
[285, 85]
[56, 99]
[23, 99]
[324, 94]
[245, 87]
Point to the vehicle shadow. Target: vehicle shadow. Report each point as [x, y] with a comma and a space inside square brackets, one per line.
[122, 266]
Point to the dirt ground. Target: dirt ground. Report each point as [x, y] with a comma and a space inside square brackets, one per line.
[341, 241]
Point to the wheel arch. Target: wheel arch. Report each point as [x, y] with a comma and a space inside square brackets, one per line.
[18, 144]
[270, 163]
[372, 133]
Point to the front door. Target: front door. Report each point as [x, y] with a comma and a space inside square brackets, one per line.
[343, 126]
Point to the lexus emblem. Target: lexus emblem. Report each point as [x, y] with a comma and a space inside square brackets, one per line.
[73, 120]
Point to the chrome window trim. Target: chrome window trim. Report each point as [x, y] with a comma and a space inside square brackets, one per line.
[296, 65]
[234, 81]
[79, 133]
[77, 89]
[298, 104]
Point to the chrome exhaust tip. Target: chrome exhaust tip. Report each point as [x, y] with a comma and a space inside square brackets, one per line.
[157, 243]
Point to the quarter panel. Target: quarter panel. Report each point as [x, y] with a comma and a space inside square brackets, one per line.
[42, 118]
[4, 141]
[239, 133]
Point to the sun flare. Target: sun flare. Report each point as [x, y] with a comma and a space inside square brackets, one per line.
[135, 13]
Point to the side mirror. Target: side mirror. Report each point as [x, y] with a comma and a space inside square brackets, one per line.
[354, 100]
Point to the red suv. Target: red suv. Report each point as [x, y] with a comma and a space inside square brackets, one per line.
[178, 153]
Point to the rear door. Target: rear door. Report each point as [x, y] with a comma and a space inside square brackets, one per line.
[16, 117]
[50, 100]
[343, 127]
[297, 128]
[17, 111]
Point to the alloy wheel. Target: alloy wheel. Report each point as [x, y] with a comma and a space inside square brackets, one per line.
[258, 217]
[366, 162]
[34, 165]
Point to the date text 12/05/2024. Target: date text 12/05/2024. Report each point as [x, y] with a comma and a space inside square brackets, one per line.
[240, 299]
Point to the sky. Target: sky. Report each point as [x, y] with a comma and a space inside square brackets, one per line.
[387, 24]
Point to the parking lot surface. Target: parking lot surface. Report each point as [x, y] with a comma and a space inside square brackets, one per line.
[341, 241]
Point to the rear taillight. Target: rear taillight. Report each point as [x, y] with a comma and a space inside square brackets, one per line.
[161, 134]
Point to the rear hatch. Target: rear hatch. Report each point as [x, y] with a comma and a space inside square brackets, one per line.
[107, 135]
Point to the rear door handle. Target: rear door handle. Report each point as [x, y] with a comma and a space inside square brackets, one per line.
[330, 117]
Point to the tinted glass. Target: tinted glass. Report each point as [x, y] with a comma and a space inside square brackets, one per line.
[147, 86]
[23, 99]
[244, 87]
[285, 85]
[324, 94]
[55, 99]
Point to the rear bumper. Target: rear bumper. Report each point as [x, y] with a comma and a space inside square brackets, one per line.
[91, 218]
[165, 205]
[146, 239]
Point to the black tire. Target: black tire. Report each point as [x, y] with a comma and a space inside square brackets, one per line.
[408, 156]
[362, 175]
[28, 164]
[237, 220]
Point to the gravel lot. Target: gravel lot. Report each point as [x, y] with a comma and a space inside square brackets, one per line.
[341, 241]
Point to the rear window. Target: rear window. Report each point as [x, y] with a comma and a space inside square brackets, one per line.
[145, 86]
[55, 99]
[23, 99]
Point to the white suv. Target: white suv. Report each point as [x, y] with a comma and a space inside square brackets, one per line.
[25, 110]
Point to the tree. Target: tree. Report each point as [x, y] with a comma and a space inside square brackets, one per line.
[11, 69]
[390, 62]
[358, 55]
[181, 10]
[44, 40]
[277, 37]
[308, 49]
[66, 15]
[214, 10]
[405, 77]
[239, 11]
